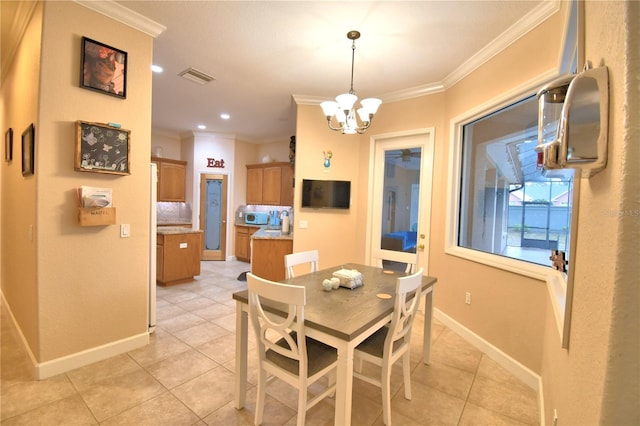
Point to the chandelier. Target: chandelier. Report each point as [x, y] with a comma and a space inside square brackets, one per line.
[342, 110]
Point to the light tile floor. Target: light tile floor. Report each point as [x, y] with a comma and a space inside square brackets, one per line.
[185, 376]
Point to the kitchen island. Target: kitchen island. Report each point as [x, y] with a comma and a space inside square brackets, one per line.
[178, 251]
[268, 249]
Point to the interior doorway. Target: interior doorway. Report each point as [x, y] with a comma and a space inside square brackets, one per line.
[213, 216]
[401, 209]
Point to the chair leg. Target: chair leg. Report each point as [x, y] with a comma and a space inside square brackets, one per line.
[406, 368]
[331, 380]
[302, 405]
[262, 385]
[385, 384]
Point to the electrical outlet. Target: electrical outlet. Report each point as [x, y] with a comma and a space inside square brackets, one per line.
[467, 298]
[304, 224]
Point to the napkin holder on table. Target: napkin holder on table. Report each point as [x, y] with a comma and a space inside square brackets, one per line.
[349, 278]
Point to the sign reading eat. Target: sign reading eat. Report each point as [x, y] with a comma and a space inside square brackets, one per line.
[217, 164]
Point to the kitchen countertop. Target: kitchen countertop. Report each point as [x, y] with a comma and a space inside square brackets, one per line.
[240, 222]
[174, 222]
[171, 230]
[265, 234]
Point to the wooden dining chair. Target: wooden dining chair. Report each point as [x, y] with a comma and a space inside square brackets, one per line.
[396, 257]
[392, 342]
[283, 348]
[293, 259]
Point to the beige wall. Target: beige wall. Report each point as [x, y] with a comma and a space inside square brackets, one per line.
[596, 380]
[332, 232]
[278, 151]
[75, 288]
[20, 91]
[511, 311]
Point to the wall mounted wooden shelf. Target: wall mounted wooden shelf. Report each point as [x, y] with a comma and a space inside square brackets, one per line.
[97, 216]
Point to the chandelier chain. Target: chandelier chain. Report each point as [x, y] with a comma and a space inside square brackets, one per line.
[353, 55]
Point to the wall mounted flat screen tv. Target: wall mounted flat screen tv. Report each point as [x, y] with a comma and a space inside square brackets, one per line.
[326, 194]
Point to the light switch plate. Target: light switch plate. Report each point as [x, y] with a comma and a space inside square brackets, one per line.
[125, 230]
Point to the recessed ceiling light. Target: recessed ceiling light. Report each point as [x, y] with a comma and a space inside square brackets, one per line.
[225, 116]
[156, 68]
[201, 126]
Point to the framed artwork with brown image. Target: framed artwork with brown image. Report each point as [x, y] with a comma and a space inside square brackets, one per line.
[104, 68]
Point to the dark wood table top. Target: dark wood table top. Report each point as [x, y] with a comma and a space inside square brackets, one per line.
[346, 313]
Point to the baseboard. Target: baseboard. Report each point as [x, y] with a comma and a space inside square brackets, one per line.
[89, 356]
[61, 365]
[523, 373]
[23, 340]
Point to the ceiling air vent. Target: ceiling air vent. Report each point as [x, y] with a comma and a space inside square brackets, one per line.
[196, 76]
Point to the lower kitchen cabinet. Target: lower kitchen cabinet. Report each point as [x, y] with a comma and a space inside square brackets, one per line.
[178, 258]
[243, 242]
[267, 257]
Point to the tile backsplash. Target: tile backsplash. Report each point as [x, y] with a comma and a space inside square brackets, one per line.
[169, 212]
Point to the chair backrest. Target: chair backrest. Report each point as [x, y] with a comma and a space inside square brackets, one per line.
[408, 290]
[396, 256]
[270, 328]
[293, 259]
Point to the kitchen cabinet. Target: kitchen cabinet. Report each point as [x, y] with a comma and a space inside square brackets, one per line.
[270, 184]
[172, 175]
[243, 242]
[267, 257]
[178, 255]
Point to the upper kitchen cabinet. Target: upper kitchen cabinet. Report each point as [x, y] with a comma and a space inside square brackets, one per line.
[171, 179]
[270, 184]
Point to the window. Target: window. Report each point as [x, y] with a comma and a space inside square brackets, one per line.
[507, 208]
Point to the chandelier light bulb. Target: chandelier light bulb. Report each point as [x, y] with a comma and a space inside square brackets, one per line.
[342, 110]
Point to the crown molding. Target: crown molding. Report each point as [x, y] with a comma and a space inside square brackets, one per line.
[399, 95]
[504, 40]
[24, 11]
[413, 92]
[124, 15]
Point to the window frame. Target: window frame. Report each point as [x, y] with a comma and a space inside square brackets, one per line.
[455, 189]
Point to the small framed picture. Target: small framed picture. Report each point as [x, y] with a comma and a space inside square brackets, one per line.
[8, 145]
[102, 148]
[28, 144]
[104, 68]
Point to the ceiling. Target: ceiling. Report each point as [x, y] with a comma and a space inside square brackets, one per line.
[262, 54]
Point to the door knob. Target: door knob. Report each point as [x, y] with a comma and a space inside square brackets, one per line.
[421, 247]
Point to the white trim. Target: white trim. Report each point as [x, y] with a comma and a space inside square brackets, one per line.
[21, 19]
[504, 40]
[520, 371]
[124, 15]
[425, 208]
[57, 366]
[527, 23]
[453, 183]
[23, 340]
[80, 359]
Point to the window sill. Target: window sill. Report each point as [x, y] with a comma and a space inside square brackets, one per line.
[527, 269]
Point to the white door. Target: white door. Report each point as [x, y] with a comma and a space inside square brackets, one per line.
[401, 209]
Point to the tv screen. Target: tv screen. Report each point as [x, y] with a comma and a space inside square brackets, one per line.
[326, 194]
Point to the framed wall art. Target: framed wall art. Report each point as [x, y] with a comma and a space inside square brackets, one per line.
[8, 145]
[28, 145]
[102, 148]
[104, 68]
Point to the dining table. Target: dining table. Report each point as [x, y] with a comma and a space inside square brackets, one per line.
[342, 318]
